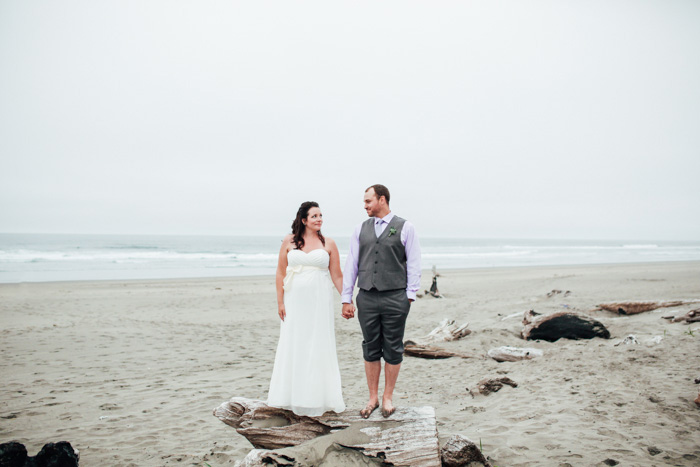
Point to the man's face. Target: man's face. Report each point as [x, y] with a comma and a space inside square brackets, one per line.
[371, 203]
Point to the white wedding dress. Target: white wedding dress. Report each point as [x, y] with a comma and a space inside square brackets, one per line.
[306, 377]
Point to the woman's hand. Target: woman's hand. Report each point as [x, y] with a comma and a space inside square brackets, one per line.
[281, 311]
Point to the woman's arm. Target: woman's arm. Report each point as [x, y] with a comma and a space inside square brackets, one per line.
[279, 276]
[334, 265]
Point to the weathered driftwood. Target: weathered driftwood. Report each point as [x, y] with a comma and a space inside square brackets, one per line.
[633, 308]
[433, 287]
[460, 451]
[269, 427]
[629, 340]
[513, 354]
[311, 456]
[488, 385]
[560, 325]
[693, 316]
[412, 349]
[407, 438]
[447, 330]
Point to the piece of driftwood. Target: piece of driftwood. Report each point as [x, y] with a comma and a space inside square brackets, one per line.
[433, 287]
[557, 292]
[460, 451]
[513, 354]
[488, 385]
[269, 427]
[412, 349]
[633, 308]
[629, 340]
[311, 456]
[61, 454]
[447, 330]
[693, 316]
[407, 438]
[564, 324]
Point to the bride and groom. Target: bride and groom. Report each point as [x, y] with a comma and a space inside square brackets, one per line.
[384, 260]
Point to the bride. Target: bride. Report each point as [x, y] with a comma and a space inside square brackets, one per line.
[306, 377]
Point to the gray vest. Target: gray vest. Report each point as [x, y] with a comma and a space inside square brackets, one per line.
[382, 262]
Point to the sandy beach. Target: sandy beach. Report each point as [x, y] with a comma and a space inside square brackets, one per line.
[129, 372]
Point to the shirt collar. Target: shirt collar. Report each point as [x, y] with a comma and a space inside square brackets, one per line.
[387, 218]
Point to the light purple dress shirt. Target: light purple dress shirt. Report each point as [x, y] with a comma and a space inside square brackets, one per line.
[410, 243]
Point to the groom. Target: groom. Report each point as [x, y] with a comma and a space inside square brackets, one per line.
[384, 258]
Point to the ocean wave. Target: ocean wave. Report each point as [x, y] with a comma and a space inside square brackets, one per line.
[32, 256]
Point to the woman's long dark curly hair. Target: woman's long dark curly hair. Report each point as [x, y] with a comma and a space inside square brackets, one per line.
[298, 227]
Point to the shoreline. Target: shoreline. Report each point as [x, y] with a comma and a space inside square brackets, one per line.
[129, 371]
[425, 271]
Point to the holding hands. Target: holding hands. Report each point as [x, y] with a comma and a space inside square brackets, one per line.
[348, 310]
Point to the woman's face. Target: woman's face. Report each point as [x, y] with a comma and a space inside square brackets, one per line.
[314, 220]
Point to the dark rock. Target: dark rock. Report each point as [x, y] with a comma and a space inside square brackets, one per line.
[13, 454]
[59, 454]
[610, 462]
[459, 451]
[653, 451]
[560, 325]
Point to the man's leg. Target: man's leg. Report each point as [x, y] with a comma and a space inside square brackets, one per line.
[369, 318]
[394, 313]
[391, 374]
[372, 371]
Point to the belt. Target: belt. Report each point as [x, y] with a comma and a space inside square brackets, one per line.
[375, 290]
[292, 270]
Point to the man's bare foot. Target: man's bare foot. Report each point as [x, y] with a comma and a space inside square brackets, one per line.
[387, 408]
[369, 408]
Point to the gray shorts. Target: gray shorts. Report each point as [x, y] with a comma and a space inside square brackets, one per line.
[382, 317]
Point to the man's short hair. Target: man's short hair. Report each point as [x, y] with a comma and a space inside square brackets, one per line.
[379, 191]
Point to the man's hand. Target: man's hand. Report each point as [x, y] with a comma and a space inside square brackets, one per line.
[348, 310]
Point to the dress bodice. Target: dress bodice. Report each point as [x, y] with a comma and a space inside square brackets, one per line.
[318, 258]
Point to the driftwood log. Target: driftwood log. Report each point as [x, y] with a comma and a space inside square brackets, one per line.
[560, 325]
[693, 316]
[629, 340]
[513, 354]
[407, 438]
[459, 451]
[412, 349]
[633, 308]
[446, 331]
[488, 385]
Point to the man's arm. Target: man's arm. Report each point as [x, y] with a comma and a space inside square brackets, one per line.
[351, 266]
[412, 246]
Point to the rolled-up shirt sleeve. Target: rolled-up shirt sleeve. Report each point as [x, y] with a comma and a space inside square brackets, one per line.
[412, 246]
[351, 266]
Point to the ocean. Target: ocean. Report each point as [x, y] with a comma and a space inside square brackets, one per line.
[57, 257]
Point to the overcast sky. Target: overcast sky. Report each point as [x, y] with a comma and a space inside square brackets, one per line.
[522, 119]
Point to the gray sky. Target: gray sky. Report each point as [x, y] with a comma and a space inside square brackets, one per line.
[544, 119]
